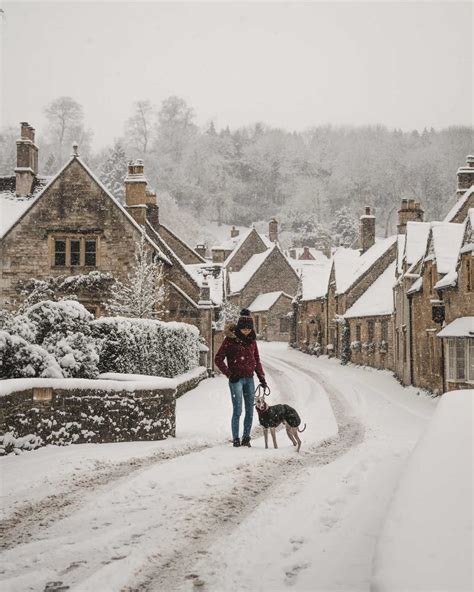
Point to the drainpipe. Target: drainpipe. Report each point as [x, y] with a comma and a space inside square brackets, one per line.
[443, 371]
[410, 336]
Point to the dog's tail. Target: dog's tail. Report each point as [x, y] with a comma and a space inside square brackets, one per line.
[302, 429]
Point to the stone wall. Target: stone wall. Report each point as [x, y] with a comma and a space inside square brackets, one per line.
[373, 352]
[63, 416]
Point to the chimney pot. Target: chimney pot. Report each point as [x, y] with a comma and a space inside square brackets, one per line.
[234, 232]
[367, 210]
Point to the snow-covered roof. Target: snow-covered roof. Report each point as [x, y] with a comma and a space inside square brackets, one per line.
[231, 243]
[12, 207]
[314, 278]
[458, 205]
[239, 279]
[447, 240]
[345, 261]
[350, 265]
[416, 238]
[377, 299]
[416, 286]
[266, 301]
[462, 327]
[214, 275]
[449, 280]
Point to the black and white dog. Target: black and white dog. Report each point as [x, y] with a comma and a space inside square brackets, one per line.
[271, 416]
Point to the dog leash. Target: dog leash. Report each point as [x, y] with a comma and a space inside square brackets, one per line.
[265, 390]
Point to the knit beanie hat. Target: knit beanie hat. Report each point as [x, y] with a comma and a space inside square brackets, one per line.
[245, 320]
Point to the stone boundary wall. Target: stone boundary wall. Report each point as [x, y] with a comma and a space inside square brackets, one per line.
[79, 415]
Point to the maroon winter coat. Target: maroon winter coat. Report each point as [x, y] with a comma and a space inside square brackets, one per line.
[243, 358]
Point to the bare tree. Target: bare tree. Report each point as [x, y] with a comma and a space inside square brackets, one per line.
[65, 117]
[138, 127]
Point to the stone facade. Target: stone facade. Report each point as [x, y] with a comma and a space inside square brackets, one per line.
[310, 325]
[273, 275]
[274, 324]
[251, 245]
[371, 341]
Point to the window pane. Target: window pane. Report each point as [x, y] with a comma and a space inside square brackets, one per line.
[460, 359]
[91, 247]
[470, 361]
[59, 252]
[75, 252]
[357, 332]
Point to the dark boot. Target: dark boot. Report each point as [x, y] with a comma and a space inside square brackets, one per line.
[236, 442]
[246, 441]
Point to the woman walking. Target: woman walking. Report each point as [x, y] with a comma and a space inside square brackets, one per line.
[240, 349]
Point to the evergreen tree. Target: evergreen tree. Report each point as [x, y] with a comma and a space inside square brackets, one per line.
[344, 228]
[144, 294]
[114, 170]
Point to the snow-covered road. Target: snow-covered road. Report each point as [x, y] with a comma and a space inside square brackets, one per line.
[193, 513]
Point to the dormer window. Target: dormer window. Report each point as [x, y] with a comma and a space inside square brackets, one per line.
[73, 251]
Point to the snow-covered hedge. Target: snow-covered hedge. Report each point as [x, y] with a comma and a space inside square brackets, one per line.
[49, 339]
[144, 346]
[20, 359]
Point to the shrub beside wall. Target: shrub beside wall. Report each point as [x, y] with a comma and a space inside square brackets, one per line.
[144, 346]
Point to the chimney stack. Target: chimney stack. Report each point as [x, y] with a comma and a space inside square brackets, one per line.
[410, 211]
[466, 175]
[234, 232]
[201, 249]
[367, 230]
[139, 200]
[26, 160]
[273, 230]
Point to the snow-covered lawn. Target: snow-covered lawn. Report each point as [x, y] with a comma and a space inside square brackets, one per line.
[194, 513]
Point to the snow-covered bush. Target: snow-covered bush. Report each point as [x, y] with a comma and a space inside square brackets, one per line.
[65, 317]
[146, 346]
[9, 443]
[76, 354]
[20, 359]
[368, 347]
[356, 346]
[383, 347]
[315, 349]
[93, 284]
[49, 332]
[229, 313]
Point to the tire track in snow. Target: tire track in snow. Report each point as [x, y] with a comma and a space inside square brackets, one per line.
[254, 484]
[28, 520]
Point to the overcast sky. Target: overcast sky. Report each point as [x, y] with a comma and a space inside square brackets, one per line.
[292, 65]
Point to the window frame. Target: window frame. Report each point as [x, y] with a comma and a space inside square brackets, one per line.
[68, 238]
[455, 354]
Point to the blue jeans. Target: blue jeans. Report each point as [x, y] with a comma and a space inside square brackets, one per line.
[243, 387]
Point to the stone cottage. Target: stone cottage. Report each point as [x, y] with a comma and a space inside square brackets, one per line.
[456, 292]
[258, 274]
[352, 272]
[71, 224]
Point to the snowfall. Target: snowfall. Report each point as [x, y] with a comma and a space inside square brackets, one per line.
[379, 498]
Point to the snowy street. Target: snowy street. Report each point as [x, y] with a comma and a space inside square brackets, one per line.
[193, 513]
